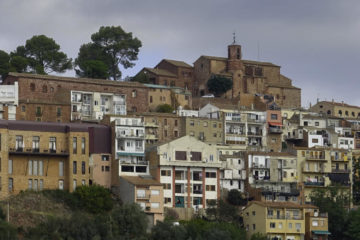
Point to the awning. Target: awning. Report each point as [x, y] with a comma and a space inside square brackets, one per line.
[275, 124]
[319, 232]
[130, 154]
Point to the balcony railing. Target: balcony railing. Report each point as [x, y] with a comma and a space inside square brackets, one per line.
[334, 170]
[252, 120]
[284, 217]
[275, 130]
[197, 191]
[133, 161]
[259, 133]
[314, 183]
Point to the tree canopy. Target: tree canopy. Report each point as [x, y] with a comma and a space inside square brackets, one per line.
[113, 47]
[219, 85]
[40, 55]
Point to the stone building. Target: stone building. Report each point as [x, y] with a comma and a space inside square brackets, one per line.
[49, 155]
[169, 73]
[52, 98]
[189, 171]
[249, 77]
[173, 96]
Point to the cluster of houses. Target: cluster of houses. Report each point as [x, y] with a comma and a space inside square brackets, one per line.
[62, 132]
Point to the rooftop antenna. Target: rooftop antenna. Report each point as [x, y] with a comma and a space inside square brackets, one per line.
[234, 37]
[258, 51]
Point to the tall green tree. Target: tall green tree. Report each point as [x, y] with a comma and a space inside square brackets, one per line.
[114, 47]
[333, 200]
[4, 64]
[219, 85]
[43, 56]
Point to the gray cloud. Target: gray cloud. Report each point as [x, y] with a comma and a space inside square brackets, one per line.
[316, 42]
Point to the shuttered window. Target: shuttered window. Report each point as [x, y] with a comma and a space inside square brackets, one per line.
[180, 155]
[195, 156]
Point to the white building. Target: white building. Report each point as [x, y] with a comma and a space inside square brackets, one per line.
[189, 170]
[9, 97]
[233, 172]
[129, 145]
[94, 105]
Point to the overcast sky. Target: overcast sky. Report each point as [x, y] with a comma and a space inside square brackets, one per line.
[316, 43]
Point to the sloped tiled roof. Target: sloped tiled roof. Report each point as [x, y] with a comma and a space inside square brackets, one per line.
[78, 80]
[160, 72]
[141, 181]
[251, 62]
[282, 204]
[178, 63]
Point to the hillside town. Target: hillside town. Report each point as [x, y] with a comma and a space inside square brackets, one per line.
[62, 132]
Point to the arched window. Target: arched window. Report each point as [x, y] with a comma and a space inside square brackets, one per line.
[340, 112]
[346, 113]
[44, 89]
[329, 112]
[151, 100]
[353, 114]
[32, 87]
[133, 93]
[133, 109]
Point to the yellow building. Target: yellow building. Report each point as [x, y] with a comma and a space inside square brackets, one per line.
[322, 167]
[205, 129]
[146, 192]
[280, 221]
[43, 155]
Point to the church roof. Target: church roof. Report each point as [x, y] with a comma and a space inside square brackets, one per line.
[160, 72]
[244, 61]
[178, 63]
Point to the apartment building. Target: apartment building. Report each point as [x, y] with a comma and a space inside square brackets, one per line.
[128, 145]
[63, 99]
[272, 176]
[161, 127]
[336, 109]
[189, 170]
[9, 100]
[89, 106]
[205, 129]
[233, 172]
[286, 221]
[274, 129]
[316, 226]
[321, 167]
[146, 192]
[173, 96]
[47, 155]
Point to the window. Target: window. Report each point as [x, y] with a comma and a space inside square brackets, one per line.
[19, 143]
[155, 192]
[274, 116]
[83, 145]
[315, 223]
[167, 186]
[30, 184]
[74, 184]
[165, 133]
[210, 174]
[44, 89]
[58, 111]
[298, 226]
[290, 225]
[166, 173]
[10, 166]
[176, 134]
[151, 99]
[51, 89]
[35, 144]
[133, 93]
[52, 144]
[155, 205]
[83, 166]
[140, 193]
[41, 168]
[165, 122]
[205, 124]
[74, 145]
[35, 186]
[61, 168]
[192, 133]
[74, 167]
[180, 155]
[195, 156]
[192, 123]
[314, 140]
[23, 108]
[61, 184]
[340, 112]
[167, 200]
[272, 225]
[32, 87]
[41, 184]
[210, 188]
[317, 124]
[83, 183]
[346, 113]
[176, 123]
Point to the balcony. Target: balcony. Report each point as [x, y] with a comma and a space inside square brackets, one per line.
[143, 196]
[38, 152]
[259, 166]
[258, 133]
[315, 184]
[264, 178]
[131, 135]
[334, 170]
[316, 157]
[275, 130]
[282, 217]
[133, 161]
[254, 120]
